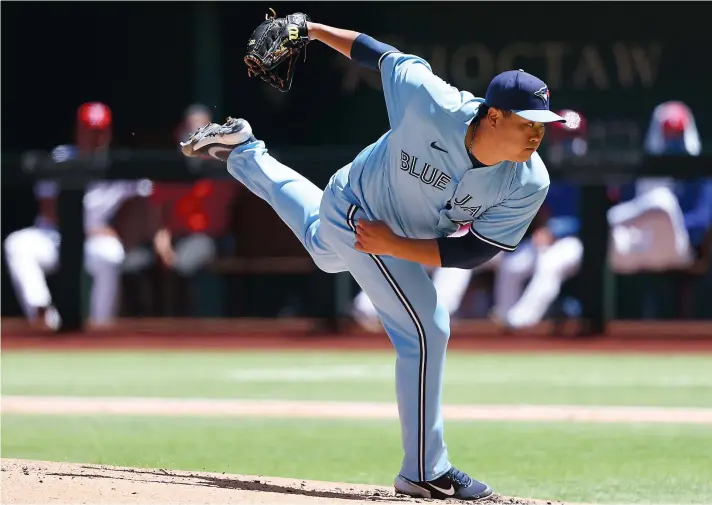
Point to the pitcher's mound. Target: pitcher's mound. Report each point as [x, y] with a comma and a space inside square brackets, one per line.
[47, 482]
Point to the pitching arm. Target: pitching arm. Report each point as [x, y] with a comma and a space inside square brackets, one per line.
[356, 46]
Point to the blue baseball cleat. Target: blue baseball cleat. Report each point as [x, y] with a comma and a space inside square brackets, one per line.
[216, 140]
[454, 484]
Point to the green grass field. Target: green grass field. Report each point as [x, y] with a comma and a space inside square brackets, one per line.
[546, 379]
[578, 462]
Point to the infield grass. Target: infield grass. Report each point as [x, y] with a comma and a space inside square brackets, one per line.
[544, 379]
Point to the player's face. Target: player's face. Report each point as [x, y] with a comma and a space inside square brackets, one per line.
[519, 137]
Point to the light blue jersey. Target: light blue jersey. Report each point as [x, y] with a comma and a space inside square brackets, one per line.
[418, 177]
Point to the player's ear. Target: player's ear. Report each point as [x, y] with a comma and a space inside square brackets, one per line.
[494, 117]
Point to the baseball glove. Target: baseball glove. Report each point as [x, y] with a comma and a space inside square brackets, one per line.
[274, 46]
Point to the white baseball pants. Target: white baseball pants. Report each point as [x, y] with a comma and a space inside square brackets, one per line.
[547, 268]
[34, 252]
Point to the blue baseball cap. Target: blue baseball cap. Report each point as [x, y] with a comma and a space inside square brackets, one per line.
[522, 93]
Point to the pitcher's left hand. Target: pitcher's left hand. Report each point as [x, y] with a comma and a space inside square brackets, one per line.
[375, 237]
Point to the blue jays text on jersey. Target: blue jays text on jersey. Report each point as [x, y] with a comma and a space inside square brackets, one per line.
[426, 173]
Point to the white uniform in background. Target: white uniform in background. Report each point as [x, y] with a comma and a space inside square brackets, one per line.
[33, 252]
[520, 304]
[648, 232]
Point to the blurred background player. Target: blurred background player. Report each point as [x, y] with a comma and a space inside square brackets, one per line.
[672, 130]
[188, 230]
[33, 252]
[668, 221]
[648, 231]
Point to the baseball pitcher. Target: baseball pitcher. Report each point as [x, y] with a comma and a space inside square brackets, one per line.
[449, 160]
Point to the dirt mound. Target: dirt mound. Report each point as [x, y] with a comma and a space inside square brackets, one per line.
[45, 482]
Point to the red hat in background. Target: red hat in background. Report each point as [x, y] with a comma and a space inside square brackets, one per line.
[94, 115]
[675, 118]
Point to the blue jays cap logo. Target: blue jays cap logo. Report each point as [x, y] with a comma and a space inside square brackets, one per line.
[543, 93]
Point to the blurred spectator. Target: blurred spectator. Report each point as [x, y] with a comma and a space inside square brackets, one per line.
[33, 252]
[191, 228]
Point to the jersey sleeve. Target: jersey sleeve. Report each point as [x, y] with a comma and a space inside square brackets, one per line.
[504, 225]
[402, 75]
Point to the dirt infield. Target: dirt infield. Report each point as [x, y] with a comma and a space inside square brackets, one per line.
[65, 483]
[479, 336]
